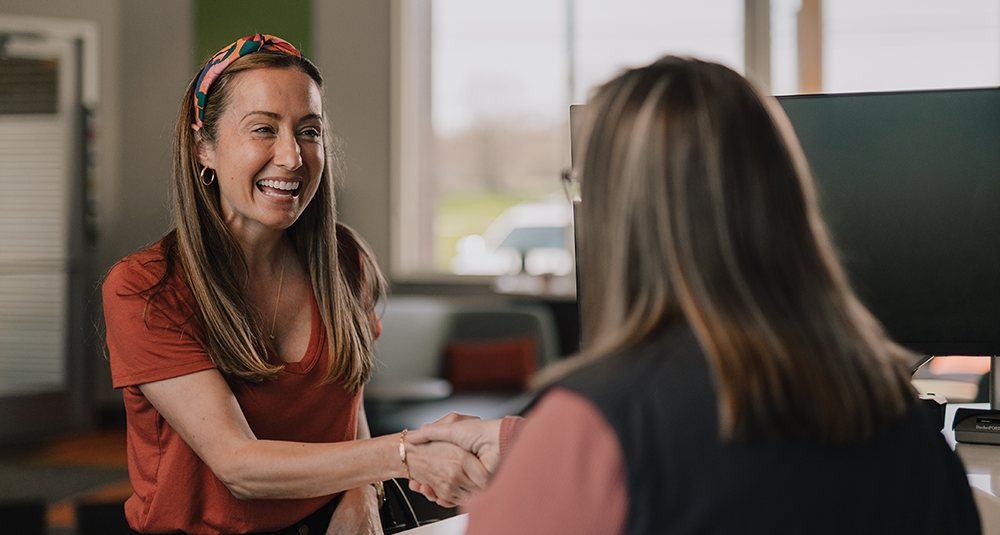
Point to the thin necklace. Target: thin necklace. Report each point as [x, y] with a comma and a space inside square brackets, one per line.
[281, 278]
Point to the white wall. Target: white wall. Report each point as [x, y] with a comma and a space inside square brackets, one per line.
[351, 47]
[157, 62]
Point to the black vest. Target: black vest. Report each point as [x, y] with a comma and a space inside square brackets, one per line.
[660, 401]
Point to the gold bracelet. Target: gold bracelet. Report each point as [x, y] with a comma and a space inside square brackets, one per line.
[379, 493]
[402, 453]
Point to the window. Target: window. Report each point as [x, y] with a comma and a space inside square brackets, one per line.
[484, 90]
[917, 44]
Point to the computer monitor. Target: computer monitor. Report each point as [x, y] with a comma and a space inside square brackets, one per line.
[909, 184]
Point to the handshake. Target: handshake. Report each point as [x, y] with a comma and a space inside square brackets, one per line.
[453, 458]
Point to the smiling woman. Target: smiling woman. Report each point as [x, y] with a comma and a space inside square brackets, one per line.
[242, 340]
[267, 150]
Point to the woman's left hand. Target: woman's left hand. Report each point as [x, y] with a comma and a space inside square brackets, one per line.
[356, 514]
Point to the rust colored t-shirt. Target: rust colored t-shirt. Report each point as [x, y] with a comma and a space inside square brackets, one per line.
[173, 489]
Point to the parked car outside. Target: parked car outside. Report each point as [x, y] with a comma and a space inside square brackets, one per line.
[533, 237]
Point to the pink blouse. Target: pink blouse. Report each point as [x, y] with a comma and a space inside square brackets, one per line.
[565, 473]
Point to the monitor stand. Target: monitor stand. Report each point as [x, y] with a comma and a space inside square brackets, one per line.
[981, 426]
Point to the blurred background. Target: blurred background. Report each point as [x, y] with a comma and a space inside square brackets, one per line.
[455, 118]
[454, 113]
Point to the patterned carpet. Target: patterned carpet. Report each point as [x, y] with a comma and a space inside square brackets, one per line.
[64, 474]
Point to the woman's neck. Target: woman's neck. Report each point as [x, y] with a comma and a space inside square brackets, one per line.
[264, 251]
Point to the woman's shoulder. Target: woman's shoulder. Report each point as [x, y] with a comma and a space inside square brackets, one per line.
[142, 270]
[672, 353]
[669, 370]
[149, 284]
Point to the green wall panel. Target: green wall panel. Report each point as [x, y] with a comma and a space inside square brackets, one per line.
[220, 22]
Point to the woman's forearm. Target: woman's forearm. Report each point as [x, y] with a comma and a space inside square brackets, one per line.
[298, 470]
[202, 409]
[276, 469]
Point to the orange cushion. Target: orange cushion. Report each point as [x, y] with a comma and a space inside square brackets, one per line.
[491, 365]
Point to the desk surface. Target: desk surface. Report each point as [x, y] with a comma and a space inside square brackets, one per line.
[450, 526]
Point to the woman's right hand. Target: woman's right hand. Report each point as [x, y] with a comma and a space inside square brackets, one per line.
[450, 474]
[479, 437]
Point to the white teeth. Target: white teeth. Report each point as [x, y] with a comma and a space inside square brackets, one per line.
[280, 184]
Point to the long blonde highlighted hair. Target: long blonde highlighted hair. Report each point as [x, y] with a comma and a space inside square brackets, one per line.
[699, 207]
[345, 278]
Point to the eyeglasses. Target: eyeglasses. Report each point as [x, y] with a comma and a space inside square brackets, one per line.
[571, 185]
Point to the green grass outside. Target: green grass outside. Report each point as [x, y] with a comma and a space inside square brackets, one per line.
[460, 215]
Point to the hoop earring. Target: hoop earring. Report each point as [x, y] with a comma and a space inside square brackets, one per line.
[202, 176]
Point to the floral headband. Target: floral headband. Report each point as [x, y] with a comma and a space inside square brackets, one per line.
[219, 62]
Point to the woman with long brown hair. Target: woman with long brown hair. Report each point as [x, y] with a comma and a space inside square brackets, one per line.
[242, 339]
[732, 382]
